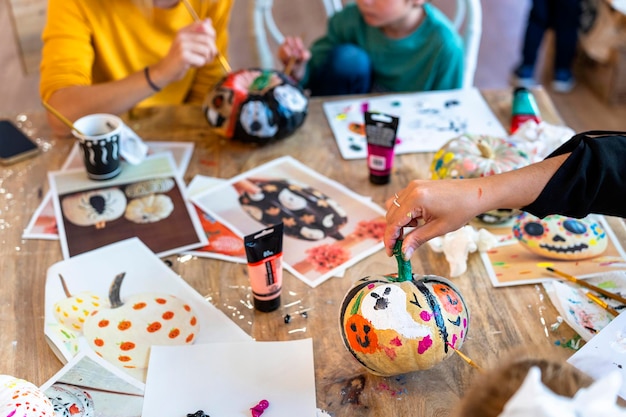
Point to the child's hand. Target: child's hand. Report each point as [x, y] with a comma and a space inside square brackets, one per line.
[294, 56]
[193, 46]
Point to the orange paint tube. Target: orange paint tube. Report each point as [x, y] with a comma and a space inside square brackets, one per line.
[264, 251]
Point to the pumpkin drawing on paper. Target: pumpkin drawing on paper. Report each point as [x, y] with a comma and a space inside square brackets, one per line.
[305, 212]
[474, 156]
[561, 237]
[256, 106]
[21, 398]
[399, 323]
[123, 333]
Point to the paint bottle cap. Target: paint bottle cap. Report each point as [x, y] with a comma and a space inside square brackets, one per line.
[379, 179]
[267, 305]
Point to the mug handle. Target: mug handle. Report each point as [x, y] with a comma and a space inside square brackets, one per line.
[132, 148]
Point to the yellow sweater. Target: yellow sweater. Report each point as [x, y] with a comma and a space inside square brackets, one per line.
[95, 41]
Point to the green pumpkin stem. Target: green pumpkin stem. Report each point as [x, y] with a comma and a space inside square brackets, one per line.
[114, 291]
[405, 272]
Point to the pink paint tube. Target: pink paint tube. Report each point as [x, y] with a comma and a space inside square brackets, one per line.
[264, 251]
[380, 131]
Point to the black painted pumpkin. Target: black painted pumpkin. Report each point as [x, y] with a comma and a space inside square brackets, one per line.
[399, 323]
[256, 106]
[305, 212]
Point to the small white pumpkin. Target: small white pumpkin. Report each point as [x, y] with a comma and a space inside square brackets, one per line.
[94, 208]
[70, 401]
[149, 209]
[73, 310]
[21, 398]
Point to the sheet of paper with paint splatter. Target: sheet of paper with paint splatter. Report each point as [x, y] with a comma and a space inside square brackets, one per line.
[427, 120]
[605, 353]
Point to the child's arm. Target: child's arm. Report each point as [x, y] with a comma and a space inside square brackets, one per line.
[294, 56]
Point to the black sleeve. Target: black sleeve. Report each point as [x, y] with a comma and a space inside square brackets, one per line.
[591, 180]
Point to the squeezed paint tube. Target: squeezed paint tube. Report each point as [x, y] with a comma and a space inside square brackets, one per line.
[264, 251]
[380, 131]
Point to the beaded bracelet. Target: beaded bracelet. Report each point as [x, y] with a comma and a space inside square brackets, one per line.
[146, 72]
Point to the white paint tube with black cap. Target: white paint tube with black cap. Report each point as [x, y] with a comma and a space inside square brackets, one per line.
[264, 251]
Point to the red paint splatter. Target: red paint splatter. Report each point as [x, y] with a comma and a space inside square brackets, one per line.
[480, 192]
[395, 341]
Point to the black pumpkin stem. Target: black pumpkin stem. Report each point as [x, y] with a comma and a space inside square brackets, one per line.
[114, 291]
[405, 272]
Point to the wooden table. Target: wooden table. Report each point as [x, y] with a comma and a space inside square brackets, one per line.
[504, 319]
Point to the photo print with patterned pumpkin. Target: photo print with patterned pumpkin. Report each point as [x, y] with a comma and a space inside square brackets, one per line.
[327, 227]
[147, 201]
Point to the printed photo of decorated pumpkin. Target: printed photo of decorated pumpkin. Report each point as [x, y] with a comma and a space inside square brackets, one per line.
[70, 401]
[561, 237]
[306, 213]
[124, 333]
[94, 208]
[399, 323]
[474, 156]
[256, 106]
[20, 398]
[73, 310]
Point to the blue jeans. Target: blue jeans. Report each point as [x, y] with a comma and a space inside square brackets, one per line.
[561, 15]
[347, 70]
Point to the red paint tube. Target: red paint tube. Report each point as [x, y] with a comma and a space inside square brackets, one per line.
[380, 131]
[264, 251]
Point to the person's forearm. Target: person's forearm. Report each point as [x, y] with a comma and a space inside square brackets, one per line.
[518, 188]
[114, 97]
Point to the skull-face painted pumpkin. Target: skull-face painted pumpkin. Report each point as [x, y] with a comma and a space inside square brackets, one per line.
[124, 333]
[398, 323]
[305, 212]
[255, 105]
[561, 237]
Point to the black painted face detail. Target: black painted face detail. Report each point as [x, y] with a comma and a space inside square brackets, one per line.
[381, 302]
[365, 340]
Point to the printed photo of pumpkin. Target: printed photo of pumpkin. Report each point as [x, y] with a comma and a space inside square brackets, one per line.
[70, 401]
[398, 323]
[124, 333]
[94, 208]
[306, 213]
[73, 310]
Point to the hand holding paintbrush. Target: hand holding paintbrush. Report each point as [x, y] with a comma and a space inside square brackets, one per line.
[293, 54]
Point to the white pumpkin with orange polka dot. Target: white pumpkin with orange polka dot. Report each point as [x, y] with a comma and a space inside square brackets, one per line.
[73, 310]
[124, 333]
[21, 398]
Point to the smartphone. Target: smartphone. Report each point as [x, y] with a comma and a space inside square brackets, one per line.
[14, 144]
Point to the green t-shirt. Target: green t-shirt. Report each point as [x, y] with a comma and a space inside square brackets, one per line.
[431, 58]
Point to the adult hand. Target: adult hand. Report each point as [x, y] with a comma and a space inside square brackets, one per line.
[294, 56]
[433, 208]
[193, 46]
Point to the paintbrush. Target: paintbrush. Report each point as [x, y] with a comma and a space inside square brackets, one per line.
[196, 18]
[62, 118]
[585, 284]
[466, 358]
[602, 304]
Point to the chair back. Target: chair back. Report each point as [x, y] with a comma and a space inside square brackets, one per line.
[467, 19]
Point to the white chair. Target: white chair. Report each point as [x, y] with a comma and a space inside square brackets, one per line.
[467, 19]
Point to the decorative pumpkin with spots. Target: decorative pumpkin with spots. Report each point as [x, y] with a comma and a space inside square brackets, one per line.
[305, 212]
[256, 106]
[561, 237]
[474, 156]
[73, 310]
[20, 398]
[402, 322]
[70, 401]
[124, 333]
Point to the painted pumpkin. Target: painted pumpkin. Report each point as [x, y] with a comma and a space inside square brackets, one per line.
[149, 209]
[94, 208]
[561, 237]
[73, 310]
[306, 213]
[70, 401]
[257, 106]
[21, 398]
[124, 333]
[398, 323]
[474, 156]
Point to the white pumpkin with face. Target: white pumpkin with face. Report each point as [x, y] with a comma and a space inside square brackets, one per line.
[561, 237]
[94, 208]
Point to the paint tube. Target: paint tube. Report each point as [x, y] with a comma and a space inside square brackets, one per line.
[524, 108]
[380, 131]
[264, 251]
